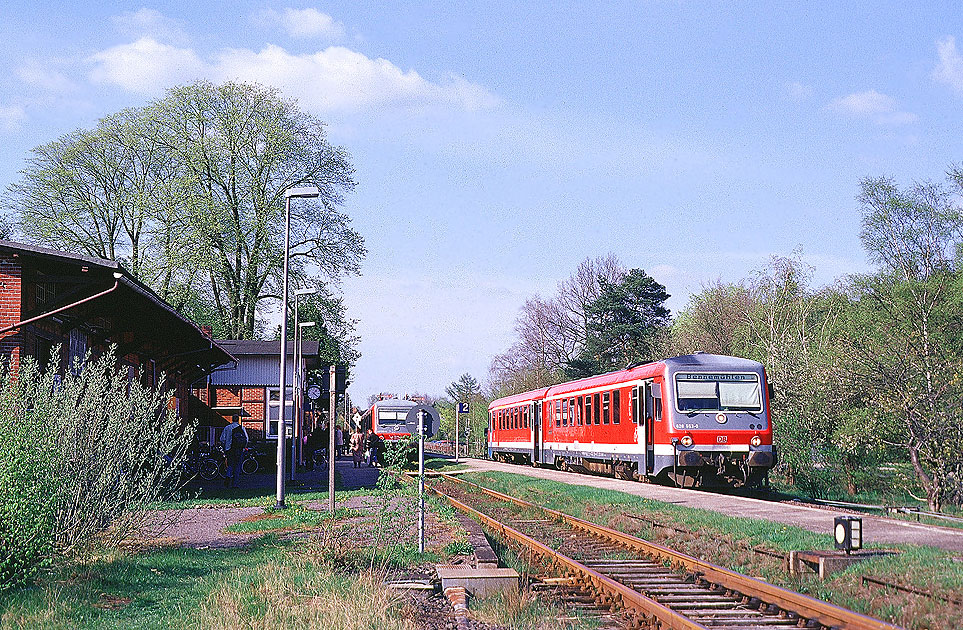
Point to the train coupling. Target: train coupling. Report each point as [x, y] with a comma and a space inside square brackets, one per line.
[690, 458]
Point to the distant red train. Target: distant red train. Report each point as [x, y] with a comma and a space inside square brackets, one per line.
[695, 420]
[387, 418]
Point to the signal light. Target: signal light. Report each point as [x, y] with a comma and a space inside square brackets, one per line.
[848, 532]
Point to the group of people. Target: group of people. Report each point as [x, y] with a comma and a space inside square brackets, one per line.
[367, 447]
[364, 447]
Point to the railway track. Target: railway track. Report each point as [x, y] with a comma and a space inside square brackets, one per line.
[654, 586]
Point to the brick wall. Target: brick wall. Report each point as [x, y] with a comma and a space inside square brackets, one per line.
[227, 396]
[11, 273]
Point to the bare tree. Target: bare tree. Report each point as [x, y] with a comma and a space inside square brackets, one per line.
[552, 332]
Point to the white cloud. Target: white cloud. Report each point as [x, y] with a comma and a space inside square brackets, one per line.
[149, 23]
[145, 66]
[332, 79]
[11, 118]
[341, 79]
[303, 23]
[870, 104]
[45, 76]
[950, 68]
[797, 91]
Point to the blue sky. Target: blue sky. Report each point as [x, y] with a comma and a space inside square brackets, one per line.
[498, 144]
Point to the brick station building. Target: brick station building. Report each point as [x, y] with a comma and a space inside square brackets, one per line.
[50, 298]
[250, 388]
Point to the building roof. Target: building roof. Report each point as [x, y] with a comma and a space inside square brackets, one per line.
[245, 347]
[144, 321]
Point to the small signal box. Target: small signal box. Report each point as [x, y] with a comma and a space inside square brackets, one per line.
[848, 533]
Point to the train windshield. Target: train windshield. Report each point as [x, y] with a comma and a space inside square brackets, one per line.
[718, 392]
[386, 416]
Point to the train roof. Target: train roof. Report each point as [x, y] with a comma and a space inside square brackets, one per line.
[535, 394]
[395, 402]
[699, 360]
[712, 361]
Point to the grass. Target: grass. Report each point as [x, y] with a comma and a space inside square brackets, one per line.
[330, 578]
[162, 587]
[293, 518]
[520, 610]
[324, 581]
[252, 497]
[727, 541]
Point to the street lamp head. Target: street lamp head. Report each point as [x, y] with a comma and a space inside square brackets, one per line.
[302, 191]
[307, 324]
[307, 291]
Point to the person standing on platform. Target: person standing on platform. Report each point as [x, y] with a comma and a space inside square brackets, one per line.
[357, 448]
[234, 439]
[338, 441]
[370, 443]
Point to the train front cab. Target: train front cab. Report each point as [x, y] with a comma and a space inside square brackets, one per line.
[717, 428]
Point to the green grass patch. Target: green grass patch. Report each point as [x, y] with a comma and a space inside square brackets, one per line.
[152, 590]
[727, 541]
[252, 497]
[293, 518]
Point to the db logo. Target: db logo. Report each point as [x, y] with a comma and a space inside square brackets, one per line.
[722, 439]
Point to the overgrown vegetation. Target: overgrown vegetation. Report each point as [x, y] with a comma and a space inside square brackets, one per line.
[728, 541]
[83, 454]
[867, 373]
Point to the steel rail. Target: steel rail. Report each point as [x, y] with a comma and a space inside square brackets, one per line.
[827, 614]
[626, 596]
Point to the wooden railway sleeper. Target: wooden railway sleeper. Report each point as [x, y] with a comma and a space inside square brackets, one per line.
[678, 561]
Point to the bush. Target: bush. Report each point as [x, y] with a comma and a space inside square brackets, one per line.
[82, 454]
[26, 502]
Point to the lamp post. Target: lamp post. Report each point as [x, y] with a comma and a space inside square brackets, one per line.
[297, 393]
[296, 447]
[301, 192]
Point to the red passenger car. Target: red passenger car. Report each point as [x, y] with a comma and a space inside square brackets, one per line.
[387, 418]
[696, 420]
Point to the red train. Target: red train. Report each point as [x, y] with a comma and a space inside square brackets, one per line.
[388, 419]
[695, 420]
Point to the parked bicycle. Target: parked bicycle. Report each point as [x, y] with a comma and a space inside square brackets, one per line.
[214, 465]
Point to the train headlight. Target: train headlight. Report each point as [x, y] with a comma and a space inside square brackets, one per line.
[756, 440]
[686, 440]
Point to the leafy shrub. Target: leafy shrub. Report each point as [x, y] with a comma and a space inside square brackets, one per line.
[26, 501]
[90, 449]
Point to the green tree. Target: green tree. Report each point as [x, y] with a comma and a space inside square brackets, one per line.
[551, 333]
[792, 330]
[626, 325]
[473, 424]
[910, 314]
[715, 321]
[107, 192]
[188, 192]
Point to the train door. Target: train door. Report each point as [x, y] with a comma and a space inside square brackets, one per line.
[642, 418]
[535, 413]
[652, 414]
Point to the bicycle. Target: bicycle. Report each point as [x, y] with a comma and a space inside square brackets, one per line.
[211, 467]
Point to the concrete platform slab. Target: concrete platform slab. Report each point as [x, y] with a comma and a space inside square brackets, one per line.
[478, 582]
[876, 529]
